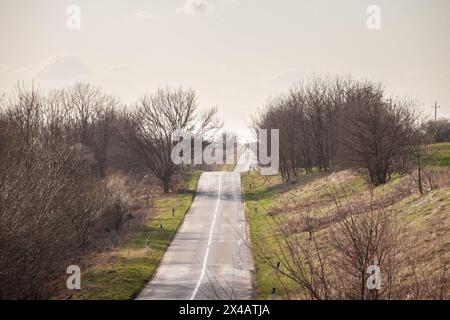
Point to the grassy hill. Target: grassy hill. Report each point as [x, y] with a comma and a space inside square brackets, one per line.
[422, 222]
[438, 155]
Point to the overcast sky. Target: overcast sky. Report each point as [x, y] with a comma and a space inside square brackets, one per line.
[235, 53]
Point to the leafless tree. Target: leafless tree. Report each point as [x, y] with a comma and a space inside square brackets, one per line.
[90, 119]
[378, 131]
[46, 207]
[361, 240]
[329, 123]
[438, 131]
[335, 265]
[150, 130]
[120, 196]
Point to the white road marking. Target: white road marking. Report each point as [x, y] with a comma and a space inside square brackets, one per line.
[239, 243]
[205, 259]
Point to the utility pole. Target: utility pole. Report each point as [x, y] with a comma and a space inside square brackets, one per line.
[435, 110]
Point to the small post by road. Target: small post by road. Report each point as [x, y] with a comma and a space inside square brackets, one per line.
[256, 210]
[173, 212]
[274, 291]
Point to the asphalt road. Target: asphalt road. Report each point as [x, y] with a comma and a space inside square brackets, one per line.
[209, 257]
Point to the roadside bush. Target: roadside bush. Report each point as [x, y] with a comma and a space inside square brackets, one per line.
[119, 199]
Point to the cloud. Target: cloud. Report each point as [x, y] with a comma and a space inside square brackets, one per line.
[143, 15]
[60, 67]
[196, 7]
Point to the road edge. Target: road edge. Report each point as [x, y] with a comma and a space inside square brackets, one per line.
[158, 264]
[249, 240]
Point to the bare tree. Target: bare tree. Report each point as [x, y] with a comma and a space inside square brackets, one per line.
[120, 196]
[378, 131]
[361, 240]
[90, 119]
[334, 265]
[45, 198]
[438, 131]
[327, 123]
[151, 129]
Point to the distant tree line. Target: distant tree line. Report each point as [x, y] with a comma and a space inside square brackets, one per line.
[439, 130]
[329, 123]
[70, 164]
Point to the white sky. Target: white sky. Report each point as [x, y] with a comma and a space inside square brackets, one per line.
[235, 53]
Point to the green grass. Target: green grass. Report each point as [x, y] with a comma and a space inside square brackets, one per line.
[260, 193]
[262, 196]
[127, 271]
[228, 167]
[424, 220]
[438, 155]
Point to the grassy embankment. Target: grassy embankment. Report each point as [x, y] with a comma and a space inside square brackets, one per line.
[425, 220]
[438, 155]
[126, 270]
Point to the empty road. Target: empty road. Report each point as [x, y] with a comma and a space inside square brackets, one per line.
[208, 258]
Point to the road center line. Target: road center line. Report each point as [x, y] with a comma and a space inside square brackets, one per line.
[205, 259]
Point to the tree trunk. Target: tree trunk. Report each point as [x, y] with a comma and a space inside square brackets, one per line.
[166, 186]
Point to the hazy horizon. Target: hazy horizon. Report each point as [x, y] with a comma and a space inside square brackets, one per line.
[234, 53]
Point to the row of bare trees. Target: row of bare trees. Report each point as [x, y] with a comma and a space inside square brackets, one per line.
[70, 163]
[438, 130]
[336, 122]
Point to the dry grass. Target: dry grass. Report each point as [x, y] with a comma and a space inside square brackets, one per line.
[120, 272]
[423, 223]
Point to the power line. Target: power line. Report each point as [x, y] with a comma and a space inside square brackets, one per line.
[435, 110]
